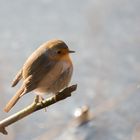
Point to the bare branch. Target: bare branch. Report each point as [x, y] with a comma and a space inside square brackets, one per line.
[35, 106]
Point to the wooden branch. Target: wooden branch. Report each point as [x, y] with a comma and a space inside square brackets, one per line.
[35, 106]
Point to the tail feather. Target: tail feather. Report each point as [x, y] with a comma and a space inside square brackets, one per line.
[14, 100]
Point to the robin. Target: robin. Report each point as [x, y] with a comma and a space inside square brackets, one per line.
[47, 70]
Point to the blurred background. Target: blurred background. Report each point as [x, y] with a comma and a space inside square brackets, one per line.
[106, 38]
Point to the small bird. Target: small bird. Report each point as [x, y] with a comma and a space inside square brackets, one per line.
[47, 70]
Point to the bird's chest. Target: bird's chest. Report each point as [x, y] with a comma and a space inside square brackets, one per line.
[56, 71]
[52, 78]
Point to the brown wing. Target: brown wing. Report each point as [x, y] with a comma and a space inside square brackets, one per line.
[17, 78]
[35, 71]
[32, 72]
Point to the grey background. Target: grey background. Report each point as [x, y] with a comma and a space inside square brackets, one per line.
[106, 37]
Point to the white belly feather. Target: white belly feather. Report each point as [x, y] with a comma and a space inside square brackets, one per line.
[57, 79]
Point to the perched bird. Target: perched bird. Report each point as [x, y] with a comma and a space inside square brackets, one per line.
[47, 70]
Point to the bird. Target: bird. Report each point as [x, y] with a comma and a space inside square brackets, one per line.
[47, 70]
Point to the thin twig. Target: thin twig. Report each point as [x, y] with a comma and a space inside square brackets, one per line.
[35, 106]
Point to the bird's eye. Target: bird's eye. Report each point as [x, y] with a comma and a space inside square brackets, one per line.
[58, 52]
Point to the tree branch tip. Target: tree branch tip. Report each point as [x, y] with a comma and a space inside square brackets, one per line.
[36, 105]
[70, 88]
[3, 130]
[73, 87]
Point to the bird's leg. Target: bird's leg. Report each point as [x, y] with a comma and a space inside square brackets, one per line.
[36, 100]
[41, 101]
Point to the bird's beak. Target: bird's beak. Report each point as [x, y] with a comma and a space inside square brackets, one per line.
[70, 51]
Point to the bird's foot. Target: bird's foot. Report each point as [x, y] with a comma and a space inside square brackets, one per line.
[36, 100]
[41, 99]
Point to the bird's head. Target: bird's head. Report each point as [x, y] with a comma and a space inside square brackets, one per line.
[57, 49]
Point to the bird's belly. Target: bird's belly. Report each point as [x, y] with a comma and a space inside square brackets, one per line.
[55, 80]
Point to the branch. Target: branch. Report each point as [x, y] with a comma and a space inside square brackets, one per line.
[35, 106]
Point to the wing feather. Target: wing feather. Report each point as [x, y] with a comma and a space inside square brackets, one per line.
[17, 78]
